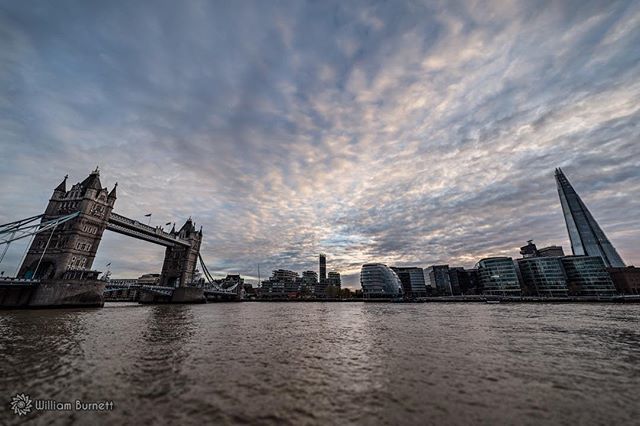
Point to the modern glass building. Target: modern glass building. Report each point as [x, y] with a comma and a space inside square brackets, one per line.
[379, 281]
[412, 279]
[463, 281]
[587, 238]
[439, 279]
[543, 276]
[587, 276]
[498, 276]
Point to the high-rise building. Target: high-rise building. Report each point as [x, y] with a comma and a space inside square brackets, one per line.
[587, 276]
[587, 238]
[412, 279]
[322, 276]
[498, 276]
[379, 281]
[543, 276]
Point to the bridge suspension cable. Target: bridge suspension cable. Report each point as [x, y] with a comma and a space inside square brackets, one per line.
[23, 228]
[209, 278]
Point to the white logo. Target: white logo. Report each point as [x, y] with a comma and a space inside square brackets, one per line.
[21, 404]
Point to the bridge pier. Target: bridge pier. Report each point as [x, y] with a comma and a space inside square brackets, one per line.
[180, 295]
[188, 295]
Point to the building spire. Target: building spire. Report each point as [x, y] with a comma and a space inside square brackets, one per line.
[63, 185]
[112, 194]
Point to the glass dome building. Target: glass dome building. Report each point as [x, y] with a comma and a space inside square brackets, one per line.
[379, 281]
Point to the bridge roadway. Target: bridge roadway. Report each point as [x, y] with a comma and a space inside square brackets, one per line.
[132, 228]
[161, 289]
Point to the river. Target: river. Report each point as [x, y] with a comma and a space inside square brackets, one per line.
[326, 363]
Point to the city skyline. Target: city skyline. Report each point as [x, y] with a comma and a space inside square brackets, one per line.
[413, 136]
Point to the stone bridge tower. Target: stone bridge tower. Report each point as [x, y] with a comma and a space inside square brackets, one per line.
[72, 245]
[180, 262]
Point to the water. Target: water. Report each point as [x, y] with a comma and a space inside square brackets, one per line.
[327, 363]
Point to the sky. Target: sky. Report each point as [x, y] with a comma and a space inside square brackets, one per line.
[404, 132]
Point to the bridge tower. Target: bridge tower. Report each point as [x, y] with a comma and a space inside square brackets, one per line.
[180, 262]
[73, 245]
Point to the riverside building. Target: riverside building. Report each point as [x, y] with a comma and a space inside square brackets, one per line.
[412, 280]
[498, 276]
[543, 276]
[587, 276]
[464, 280]
[440, 280]
[309, 281]
[379, 281]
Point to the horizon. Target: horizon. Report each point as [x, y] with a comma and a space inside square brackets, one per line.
[414, 135]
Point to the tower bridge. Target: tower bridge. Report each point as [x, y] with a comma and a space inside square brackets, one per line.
[65, 242]
[71, 247]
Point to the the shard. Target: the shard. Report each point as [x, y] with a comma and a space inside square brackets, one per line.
[587, 238]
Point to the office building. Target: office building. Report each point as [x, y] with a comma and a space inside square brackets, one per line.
[587, 276]
[587, 238]
[379, 281]
[412, 280]
[440, 280]
[464, 281]
[543, 276]
[498, 276]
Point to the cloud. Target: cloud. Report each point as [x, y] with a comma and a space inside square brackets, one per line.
[408, 133]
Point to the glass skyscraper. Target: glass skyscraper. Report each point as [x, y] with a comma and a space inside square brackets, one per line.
[587, 238]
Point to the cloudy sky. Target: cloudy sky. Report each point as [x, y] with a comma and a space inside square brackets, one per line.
[408, 133]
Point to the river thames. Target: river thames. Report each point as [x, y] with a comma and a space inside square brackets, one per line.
[327, 363]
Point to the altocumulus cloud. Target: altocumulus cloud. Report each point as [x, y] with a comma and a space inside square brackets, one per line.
[402, 132]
